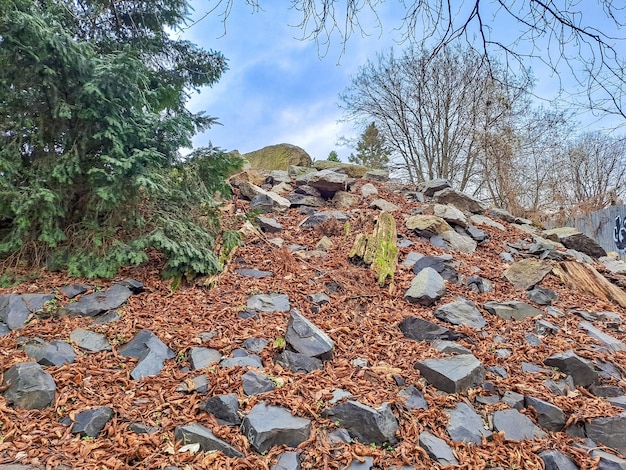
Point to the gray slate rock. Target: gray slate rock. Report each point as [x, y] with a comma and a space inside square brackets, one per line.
[450, 214]
[90, 340]
[306, 338]
[437, 449]
[457, 242]
[607, 340]
[502, 214]
[255, 273]
[549, 416]
[55, 353]
[201, 358]
[513, 399]
[268, 426]
[296, 199]
[288, 461]
[4, 329]
[609, 431]
[198, 384]
[90, 423]
[461, 312]
[479, 284]
[452, 374]
[581, 370]
[224, 407]
[327, 182]
[449, 347]
[542, 296]
[13, 311]
[608, 461]
[477, 234]
[512, 310]
[269, 225]
[269, 303]
[255, 345]
[256, 383]
[422, 330]
[135, 286]
[198, 434]
[465, 425]
[555, 460]
[298, 363]
[516, 426]
[460, 201]
[526, 273]
[73, 290]
[413, 398]
[151, 352]
[368, 425]
[98, 302]
[444, 265]
[429, 188]
[250, 360]
[28, 386]
[319, 217]
[426, 288]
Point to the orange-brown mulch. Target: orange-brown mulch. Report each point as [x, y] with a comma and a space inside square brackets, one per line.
[362, 319]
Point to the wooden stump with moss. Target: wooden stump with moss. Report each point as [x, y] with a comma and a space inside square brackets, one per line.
[378, 250]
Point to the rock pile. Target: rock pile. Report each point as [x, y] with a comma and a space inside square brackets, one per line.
[473, 352]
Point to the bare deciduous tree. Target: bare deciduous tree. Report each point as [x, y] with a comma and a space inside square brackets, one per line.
[580, 40]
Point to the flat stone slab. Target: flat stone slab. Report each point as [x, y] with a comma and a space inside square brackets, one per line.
[201, 358]
[224, 407]
[512, 310]
[452, 374]
[526, 273]
[256, 383]
[549, 416]
[516, 426]
[198, 434]
[28, 386]
[13, 311]
[462, 312]
[555, 460]
[413, 398]
[298, 363]
[368, 425]
[90, 340]
[98, 302]
[607, 340]
[267, 426]
[269, 303]
[151, 352]
[460, 200]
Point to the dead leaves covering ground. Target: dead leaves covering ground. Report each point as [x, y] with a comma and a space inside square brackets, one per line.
[361, 318]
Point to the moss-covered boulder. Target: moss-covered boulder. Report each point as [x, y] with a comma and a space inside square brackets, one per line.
[278, 157]
[353, 171]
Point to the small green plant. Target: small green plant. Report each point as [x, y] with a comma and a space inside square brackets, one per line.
[51, 306]
[280, 343]
[388, 447]
[88, 438]
[373, 445]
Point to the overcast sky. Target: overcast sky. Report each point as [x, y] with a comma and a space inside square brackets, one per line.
[280, 89]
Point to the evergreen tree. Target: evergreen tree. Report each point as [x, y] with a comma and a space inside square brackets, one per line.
[371, 149]
[93, 96]
[333, 157]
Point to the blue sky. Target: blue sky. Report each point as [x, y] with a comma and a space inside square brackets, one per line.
[280, 89]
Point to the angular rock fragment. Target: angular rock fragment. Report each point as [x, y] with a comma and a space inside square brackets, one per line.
[306, 338]
[512, 310]
[422, 330]
[607, 340]
[269, 225]
[429, 188]
[13, 311]
[609, 431]
[581, 370]
[90, 340]
[28, 386]
[198, 434]
[268, 426]
[288, 461]
[201, 358]
[255, 273]
[319, 217]
[269, 303]
[298, 363]
[444, 265]
[465, 425]
[98, 302]
[526, 273]
[413, 398]
[437, 449]
[608, 461]
[426, 288]
[457, 242]
[450, 214]
[452, 374]
[461, 312]
[198, 384]
[368, 425]
[151, 352]
[549, 416]
[542, 296]
[90, 423]
[55, 353]
[460, 200]
[516, 426]
[555, 460]
[479, 284]
[255, 383]
[449, 347]
[427, 225]
[224, 407]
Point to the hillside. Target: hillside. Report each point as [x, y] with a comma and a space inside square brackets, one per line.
[458, 369]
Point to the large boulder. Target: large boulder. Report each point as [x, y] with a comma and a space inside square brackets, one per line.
[353, 171]
[572, 238]
[278, 157]
[460, 201]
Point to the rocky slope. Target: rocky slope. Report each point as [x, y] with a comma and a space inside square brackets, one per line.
[489, 347]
